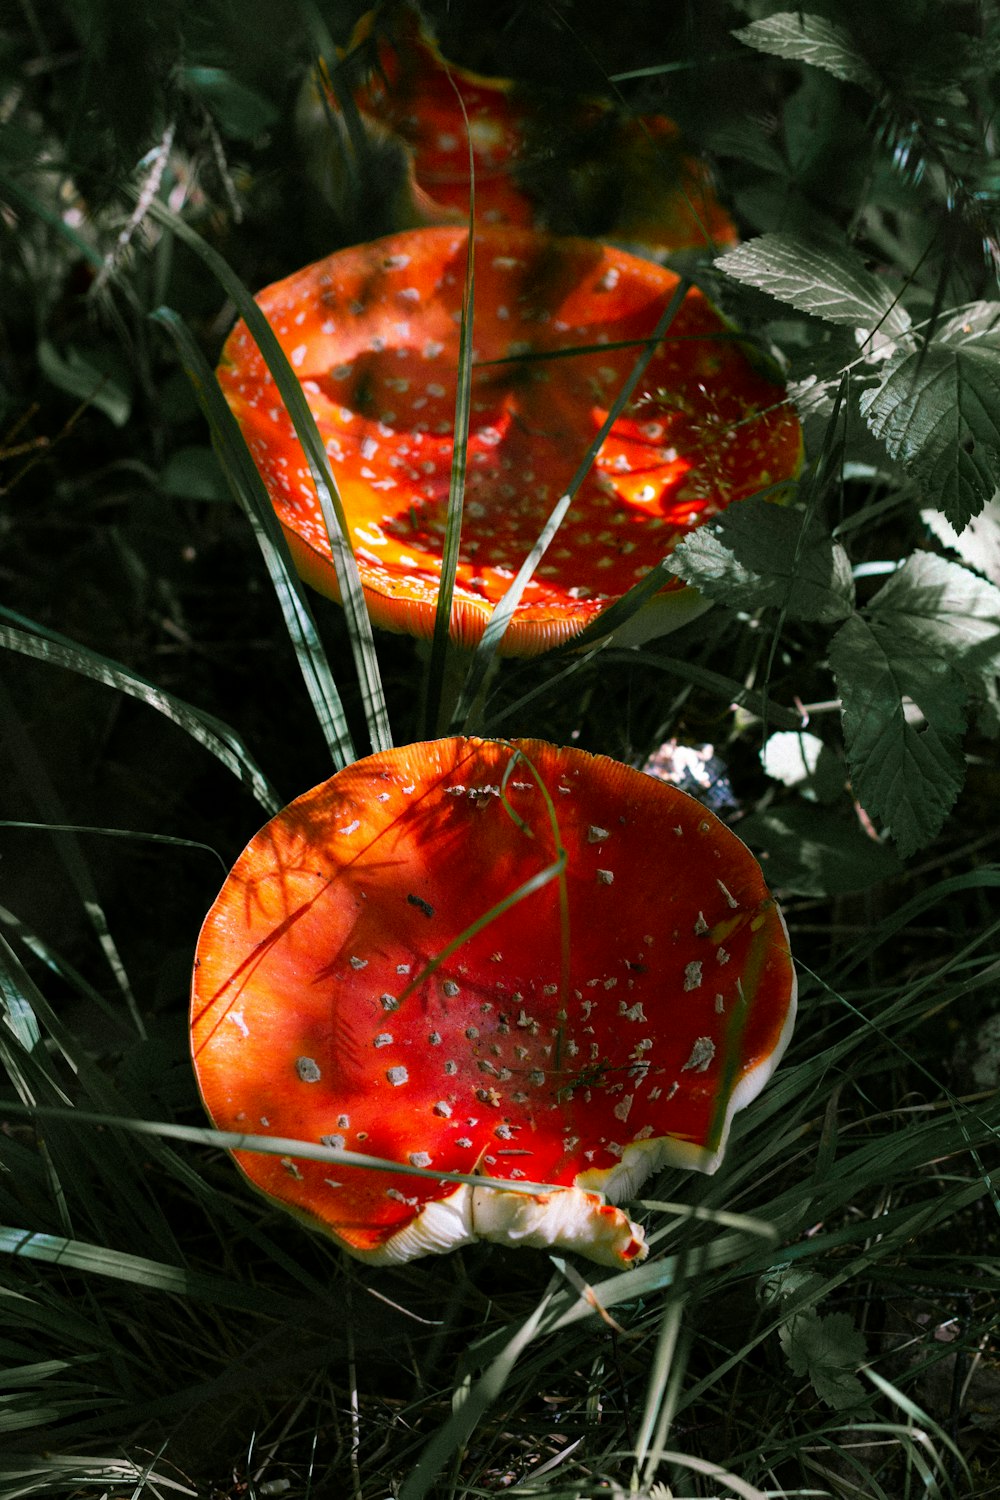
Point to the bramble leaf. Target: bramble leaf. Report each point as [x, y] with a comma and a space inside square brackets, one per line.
[948, 611]
[938, 413]
[808, 850]
[801, 37]
[828, 1350]
[831, 283]
[905, 671]
[759, 554]
[903, 717]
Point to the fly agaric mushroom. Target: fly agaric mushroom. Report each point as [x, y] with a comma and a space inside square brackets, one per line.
[539, 157]
[365, 981]
[373, 334]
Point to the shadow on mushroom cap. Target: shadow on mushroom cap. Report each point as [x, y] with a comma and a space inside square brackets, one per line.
[365, 980]
[372, 333]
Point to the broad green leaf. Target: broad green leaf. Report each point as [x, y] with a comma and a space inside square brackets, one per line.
[240, 110]
[828, 1350]
[194, 474]
[948, 612]
[759, 554]
[904, 713]
[77, 376]
[806, 850]
[938, 413]
[801, 37]
[952, 614]
[830, 282]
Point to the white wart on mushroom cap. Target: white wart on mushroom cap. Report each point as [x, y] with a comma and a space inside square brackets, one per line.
[373, 335]
[602, 1027]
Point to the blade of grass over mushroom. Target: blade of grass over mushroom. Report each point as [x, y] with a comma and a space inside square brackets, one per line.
[554, 871]
[459, 459]
[504, 610]
[527, 888]
[618, 614]
[224, 743]
[271, 1145]
[358, 623]
[248, 488]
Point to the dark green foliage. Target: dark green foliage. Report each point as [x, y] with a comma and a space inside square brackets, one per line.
[820, 1317]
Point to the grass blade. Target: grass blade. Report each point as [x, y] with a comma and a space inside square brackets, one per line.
[349, 581]
[251, 494]
[503, 612]
[224, 743]
[35, 779]
[456, 487]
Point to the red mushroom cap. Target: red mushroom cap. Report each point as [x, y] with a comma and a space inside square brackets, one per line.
[604, 1026]
[620, 177]
[373, 333]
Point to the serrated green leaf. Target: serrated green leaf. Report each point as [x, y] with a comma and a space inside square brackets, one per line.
[759, 554]
[947, 611]
[830, 282]
[828, 1350]
[801, 37]
[903, 714]
[931, 638]
[938, 413]
[952, 614]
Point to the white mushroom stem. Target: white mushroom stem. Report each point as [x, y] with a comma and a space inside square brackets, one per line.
[568, 1219]
[564, 1219]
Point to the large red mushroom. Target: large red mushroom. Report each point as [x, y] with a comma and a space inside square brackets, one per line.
[366, 981]
[373, 334]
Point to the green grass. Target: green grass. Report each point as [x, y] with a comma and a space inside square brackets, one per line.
[820, 1317]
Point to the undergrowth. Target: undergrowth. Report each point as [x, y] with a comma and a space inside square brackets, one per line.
[819, 1318]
